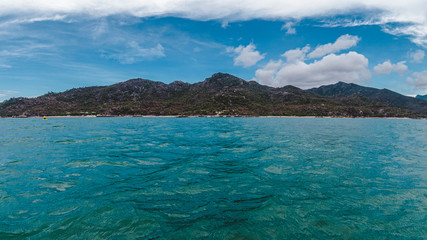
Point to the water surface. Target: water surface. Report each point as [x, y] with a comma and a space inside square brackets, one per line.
[213, 178]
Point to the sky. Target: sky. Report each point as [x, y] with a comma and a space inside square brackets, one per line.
[52, 46]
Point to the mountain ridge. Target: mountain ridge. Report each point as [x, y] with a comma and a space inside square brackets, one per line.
[220, 94]
[379, 95]
[423, 97]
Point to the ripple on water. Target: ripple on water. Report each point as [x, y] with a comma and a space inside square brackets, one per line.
[213, 178]
[63, 211]
[59, 186]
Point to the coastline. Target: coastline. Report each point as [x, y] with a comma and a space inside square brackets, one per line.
[209, 116]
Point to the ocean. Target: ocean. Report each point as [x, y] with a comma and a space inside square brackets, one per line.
[213, 178]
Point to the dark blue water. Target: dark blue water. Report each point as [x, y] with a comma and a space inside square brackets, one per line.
[213, 178]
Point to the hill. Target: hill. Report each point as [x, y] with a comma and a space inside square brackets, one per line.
[423, 97]
[220, 94]
[383, 96]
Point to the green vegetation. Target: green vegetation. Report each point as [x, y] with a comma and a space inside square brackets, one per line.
[222, 95]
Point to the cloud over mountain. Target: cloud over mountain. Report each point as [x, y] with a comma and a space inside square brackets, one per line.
[346, 67]
[330, 68]
[418, 80]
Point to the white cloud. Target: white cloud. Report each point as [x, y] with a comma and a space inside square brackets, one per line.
[289, 28]
[135, 53]
[246, 56]
[126, 46]
[387, 67]
[418, 80]
[417, 30]
[5, 66]
[5, 93]
[417, 56]
[346, 22]
[26, 50]
[396, 17]
[348, 67]
[32, 20]
[342, 43]
[296, 54]
[224, 24]
[332, 68]
[267, 74]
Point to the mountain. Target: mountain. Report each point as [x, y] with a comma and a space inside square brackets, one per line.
[220, 94]
[383, 96]
[423, 97]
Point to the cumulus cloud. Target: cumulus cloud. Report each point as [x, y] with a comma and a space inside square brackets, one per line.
[331, 68]
[296, 54]
[347, 67]
[289, 27]
[342, 43]
[387, 67]
[246, 56]
[417, 56]
[418, 80]
[396, 17]
[267, 74]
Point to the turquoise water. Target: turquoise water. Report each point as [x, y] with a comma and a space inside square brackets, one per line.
[213, 178]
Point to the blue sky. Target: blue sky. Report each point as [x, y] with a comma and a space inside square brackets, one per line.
[54, 47]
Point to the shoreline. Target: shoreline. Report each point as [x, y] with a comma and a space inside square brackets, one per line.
[208, 116]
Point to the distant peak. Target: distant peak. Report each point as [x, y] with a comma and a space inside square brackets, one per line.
[223, 79]
[220, 75]
[134, 80]
[290, 87]
[137, 82]
[178, 82]
[340, 83]
[423, 97]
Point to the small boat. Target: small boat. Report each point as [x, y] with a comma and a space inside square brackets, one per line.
[44, 118]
